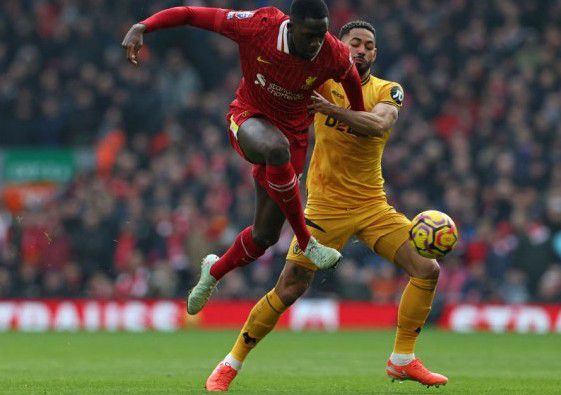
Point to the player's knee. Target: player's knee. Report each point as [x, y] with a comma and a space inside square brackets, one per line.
[427, 269]
[277, 152]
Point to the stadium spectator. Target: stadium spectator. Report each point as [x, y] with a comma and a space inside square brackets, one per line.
[479, 138]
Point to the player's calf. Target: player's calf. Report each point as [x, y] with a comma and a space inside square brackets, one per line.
[293, 282]
[265, 237]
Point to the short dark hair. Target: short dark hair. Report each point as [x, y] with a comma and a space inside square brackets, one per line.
[304, 9]
[356, 25]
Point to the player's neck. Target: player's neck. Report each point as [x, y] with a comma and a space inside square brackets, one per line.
[292, 47]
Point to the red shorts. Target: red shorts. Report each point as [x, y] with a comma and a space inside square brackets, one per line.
[298, 145]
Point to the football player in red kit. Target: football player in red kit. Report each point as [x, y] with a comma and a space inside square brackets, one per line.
[283, 58]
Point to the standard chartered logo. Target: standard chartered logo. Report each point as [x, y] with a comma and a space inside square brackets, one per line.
[261, 80]
[277, 90]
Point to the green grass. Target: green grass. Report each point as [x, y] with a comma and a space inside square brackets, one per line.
[289, 363]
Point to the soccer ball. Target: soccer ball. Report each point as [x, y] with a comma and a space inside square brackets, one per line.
[433, 234]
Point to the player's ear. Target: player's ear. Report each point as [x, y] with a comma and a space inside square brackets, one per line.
[375, 55]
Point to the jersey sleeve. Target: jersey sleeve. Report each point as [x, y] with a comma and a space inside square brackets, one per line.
[391, 93]
[242, 25]
[343, 60]
[201, 17]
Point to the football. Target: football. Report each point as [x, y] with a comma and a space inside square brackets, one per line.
[433, 234]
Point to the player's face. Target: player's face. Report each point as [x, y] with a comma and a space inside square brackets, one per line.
[363, 48]
[308, 36]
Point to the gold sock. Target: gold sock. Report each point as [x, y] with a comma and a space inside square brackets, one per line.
[414, 308]
[261, 321]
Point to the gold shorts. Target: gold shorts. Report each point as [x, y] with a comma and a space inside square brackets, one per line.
[380, 227]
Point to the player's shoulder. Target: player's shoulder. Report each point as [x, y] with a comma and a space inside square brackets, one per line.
[336, 54]
[381, 83]
[272, 15]
[265, 16]
[386, 90]
[336, 45]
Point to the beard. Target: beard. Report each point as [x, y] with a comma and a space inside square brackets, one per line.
[363, 68]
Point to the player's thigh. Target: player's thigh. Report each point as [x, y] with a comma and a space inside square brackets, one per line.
[258, 137]
[329, 228]
[293, 282]
[384, 230]
[414, 264]
[269, 218]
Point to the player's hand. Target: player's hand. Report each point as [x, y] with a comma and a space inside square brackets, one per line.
[133, 42]
[320, 104]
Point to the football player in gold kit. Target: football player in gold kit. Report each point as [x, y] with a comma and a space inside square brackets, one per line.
[346, 198]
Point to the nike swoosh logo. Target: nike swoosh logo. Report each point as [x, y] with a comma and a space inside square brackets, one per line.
[260, 59]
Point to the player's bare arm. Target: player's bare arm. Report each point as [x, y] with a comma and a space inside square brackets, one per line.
[366, 123]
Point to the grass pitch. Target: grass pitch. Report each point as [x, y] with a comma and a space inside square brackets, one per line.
[286, 362]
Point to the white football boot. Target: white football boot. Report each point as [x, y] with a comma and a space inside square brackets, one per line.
[200, 294]
[321, 256]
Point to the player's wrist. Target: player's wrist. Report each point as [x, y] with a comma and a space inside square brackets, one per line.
[334, 110]
[139, 27]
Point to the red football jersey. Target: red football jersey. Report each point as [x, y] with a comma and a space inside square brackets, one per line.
[276, 84]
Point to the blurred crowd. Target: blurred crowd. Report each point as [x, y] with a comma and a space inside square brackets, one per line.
[479, 137]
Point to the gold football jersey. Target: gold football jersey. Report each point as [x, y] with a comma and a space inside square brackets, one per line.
[346, 169]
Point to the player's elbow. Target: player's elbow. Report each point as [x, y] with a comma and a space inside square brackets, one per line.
[377, 133]
[373, 130]
[380, 126]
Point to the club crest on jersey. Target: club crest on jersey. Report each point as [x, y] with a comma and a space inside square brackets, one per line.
[309, 82]
[397, 94]
[240, 14]
[337, 94]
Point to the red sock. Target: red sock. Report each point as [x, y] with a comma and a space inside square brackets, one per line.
[242, 252]
[283, 189]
